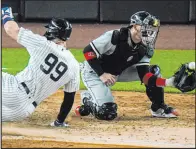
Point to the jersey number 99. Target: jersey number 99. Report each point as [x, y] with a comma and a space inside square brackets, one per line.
[52, 63]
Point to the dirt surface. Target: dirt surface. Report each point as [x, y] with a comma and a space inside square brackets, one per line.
[134, 126]
[170, 36]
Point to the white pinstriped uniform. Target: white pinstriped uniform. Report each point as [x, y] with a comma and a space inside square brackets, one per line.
[50, 67]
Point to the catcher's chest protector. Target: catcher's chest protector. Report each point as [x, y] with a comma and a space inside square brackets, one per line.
[123, 57]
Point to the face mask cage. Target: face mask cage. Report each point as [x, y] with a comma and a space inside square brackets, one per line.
[149, 34]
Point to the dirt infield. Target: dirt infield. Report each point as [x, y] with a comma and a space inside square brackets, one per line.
[170, 36]
[134, 126]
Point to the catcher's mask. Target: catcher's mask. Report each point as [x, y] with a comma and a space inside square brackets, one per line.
[149, 26]
[58, 29]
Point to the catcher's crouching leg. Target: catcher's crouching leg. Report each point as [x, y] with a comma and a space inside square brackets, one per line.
[156, 96]
[158, 107]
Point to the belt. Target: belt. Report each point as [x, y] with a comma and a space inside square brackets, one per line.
[25, 87]
[34, 104]
[28, 91]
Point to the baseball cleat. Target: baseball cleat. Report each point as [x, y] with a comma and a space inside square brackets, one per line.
[57, 124]
[165, 112]
[82, 110]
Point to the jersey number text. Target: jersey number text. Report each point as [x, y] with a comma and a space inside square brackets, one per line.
[51, 61]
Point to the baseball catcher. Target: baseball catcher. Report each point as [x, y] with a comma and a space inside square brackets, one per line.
[185, 78]
[123, 55]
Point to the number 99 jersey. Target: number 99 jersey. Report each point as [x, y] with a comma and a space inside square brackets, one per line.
[50, 67]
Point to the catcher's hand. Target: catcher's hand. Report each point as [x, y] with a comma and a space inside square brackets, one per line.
[185, 78]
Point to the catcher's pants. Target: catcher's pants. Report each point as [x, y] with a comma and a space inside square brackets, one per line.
[99, 92]
[16, 103]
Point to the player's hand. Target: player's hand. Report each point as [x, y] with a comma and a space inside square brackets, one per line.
[108, 79]
[6, 11]
[185, 78]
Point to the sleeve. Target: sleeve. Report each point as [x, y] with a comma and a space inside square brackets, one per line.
[66, 106]
[30, 40]
[103, 44]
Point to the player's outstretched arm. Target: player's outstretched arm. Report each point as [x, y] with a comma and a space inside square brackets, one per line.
[10, 26]
[184, 79]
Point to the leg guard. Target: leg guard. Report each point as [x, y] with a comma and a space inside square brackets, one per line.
[108, 111]
[84, 110]
[155, 94]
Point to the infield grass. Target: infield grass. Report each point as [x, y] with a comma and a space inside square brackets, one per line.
[15, 60]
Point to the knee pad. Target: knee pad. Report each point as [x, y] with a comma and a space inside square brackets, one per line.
[108, 111]
[156, 70]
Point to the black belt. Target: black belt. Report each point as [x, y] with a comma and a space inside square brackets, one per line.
[25, 87]
[35, 104]
[28, 91]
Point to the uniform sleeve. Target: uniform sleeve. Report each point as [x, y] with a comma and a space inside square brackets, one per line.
[103, 43]
[30, 40]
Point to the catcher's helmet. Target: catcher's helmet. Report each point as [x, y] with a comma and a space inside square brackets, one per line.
[149, 26]
[58, 29]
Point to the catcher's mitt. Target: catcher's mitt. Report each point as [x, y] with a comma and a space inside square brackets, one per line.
[185, 79]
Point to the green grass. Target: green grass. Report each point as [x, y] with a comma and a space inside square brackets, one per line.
[16, 60]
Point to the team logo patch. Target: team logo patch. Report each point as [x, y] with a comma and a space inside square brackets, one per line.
[90, 55]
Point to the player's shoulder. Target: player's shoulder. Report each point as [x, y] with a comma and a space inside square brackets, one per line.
[106, 36]
[110, 32]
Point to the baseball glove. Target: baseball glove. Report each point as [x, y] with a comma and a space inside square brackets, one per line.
[185, 79]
